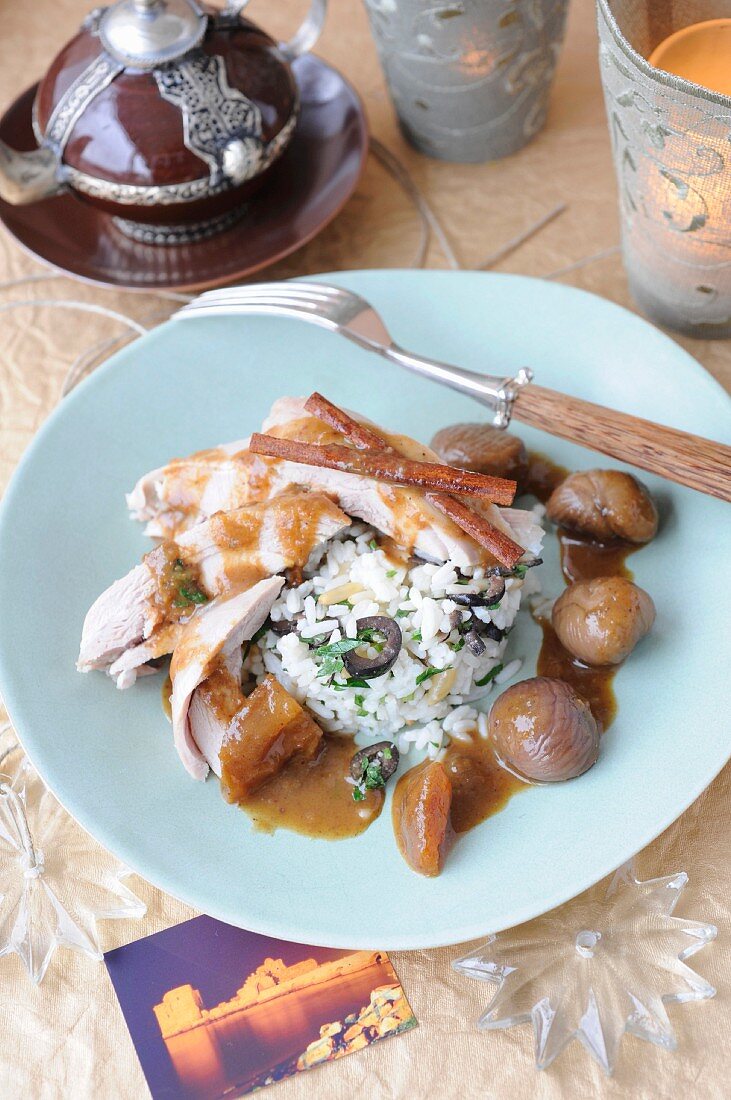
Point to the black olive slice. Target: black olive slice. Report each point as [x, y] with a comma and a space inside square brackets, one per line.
[489, 630]
[282, 626]
[370, 667]
[492, 594]
[382, 759]
[517, 570]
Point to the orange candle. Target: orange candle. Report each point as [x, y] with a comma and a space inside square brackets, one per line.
[700, 53]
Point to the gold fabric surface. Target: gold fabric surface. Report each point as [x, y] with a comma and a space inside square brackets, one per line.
[67, 1038]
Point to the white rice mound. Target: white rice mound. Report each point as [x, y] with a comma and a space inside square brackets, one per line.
[394, 706]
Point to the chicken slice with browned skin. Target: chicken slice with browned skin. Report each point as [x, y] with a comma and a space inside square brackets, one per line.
[403, 514]
[210, 644]
[136, 619]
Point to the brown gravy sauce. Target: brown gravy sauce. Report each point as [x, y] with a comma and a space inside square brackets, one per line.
[312, 796]
[480, 786]
[582, 559]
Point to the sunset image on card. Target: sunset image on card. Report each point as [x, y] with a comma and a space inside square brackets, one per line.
[216, 1011]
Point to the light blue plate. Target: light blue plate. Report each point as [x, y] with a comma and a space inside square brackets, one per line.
[108, 755]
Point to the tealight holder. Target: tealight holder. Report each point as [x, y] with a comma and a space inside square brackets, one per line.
[469, 79]
[671, 140]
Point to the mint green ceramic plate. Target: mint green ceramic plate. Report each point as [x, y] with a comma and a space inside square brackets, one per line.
[64, 535]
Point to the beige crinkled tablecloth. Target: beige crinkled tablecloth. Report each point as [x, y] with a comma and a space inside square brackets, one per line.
[67, 1038]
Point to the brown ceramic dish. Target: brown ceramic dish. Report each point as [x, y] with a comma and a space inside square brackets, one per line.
[306, 188]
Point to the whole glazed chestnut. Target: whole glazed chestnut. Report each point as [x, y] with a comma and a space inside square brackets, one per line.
[482, 448]
[543, 730]
[605, 505]
[601, 621]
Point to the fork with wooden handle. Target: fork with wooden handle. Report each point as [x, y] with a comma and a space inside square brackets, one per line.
[690, 460]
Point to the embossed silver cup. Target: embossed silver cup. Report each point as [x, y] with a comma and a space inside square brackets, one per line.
[672, 153]
[469, 79]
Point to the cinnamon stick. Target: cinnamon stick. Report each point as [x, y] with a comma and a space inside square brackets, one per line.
[506, 551]
[360, 435]
[476, 526]
[386, 465]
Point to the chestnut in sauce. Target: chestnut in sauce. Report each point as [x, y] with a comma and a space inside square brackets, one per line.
[544, 730]
[421, 817]
[605, 505]
[600, 621]
[482, 448]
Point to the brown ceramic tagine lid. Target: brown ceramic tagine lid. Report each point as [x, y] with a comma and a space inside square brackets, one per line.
[163, 113]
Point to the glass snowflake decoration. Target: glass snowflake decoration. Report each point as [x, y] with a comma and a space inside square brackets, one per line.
[606, 964]
[54, 883]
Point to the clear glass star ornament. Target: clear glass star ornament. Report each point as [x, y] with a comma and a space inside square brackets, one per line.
[604, 965]
[55, 883]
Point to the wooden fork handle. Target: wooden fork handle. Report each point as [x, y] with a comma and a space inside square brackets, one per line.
[701, 464]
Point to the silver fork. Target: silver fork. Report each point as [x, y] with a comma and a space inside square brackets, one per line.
[342, 311]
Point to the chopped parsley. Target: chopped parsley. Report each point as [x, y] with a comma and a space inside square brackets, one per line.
[391, 573]
[188, 594]
[373, 544]
[329, 667]
[488, 676]
[429, 672]
[401, 614]
[371, 778]
[336, 649]
[416, 636]
[332, 655]
[520, 570]
[188, 591]
[359, 709]
[358, 682]
[456, 646]
[494, 606]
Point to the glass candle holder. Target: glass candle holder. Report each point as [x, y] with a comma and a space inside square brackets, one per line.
[671, 140]
[469, 79]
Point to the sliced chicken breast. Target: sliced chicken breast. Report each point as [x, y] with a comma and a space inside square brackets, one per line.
[402, 513]
[233, 548]
[210, 643]
[124, 615]
[175, 497]
[133, 621]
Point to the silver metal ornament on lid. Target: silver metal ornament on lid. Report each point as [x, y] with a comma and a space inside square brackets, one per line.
[147, 33]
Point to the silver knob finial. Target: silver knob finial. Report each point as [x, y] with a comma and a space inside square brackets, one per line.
[143, 34]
